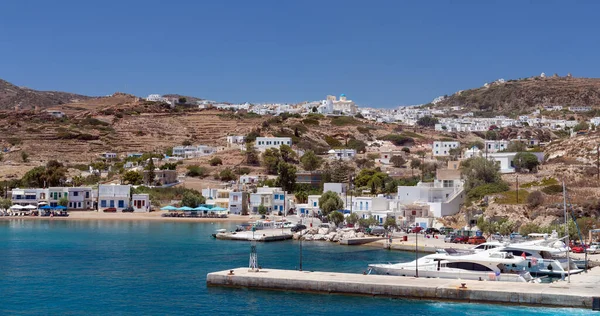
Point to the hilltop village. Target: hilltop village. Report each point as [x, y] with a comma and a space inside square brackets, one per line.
[430, 165]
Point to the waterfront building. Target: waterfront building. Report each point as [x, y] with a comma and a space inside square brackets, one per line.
[114, 196]
[26, 197]
[238, 202]
[80, 198]
[141, 203]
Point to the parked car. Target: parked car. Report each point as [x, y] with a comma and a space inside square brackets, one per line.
[378, 231]
[110, 210]
[449, 238]
[446, 230]
[460, 239]
[515, 236]
[593, 248]
[128, 210]
[431, 230]
[298, 228]
[578, 248]
[288, 225]
[476, 240]
[416, 229]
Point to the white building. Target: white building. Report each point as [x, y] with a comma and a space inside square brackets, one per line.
[238, 203]
[340, 188]
[108, 155]
[80, 198]
[55, 113]
[249, 179]
[580, 108]
[114, 196]
[154, 97]
[193, 151]
[343, 105]
[26, 197]
[264, 143]
[141, 203]
[493, 146]
[504, 159]
[386, 156]
[444, 197]
[366, 206]
[236, 140]
[595, 121]
[342, 154]
[442, 148]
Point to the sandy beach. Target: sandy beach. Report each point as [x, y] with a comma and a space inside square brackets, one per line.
[152, 216]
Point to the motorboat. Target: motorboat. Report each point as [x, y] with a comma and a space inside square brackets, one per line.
[540, 260]
[452, 264]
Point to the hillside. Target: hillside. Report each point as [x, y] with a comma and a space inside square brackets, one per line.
[525, 95]
[12, 96]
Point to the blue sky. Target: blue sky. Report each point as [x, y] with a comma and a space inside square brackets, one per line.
[379, 53]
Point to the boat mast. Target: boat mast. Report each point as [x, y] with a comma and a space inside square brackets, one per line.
[567, 233]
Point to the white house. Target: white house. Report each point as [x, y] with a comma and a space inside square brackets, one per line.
[342, 154]
[108, 155]
[238, 202]
[444, 198]
[595, 121]
[493, 146]
[236, 140]
[117, 196]
[141, 203]
[249, 179]
[580, 108]
[193, 151]
[366, 206]
[80, 198]
[26, 197]
[386, 156]
[504, 159]
[55, 113]
[264, 143]
[339, 188]
[442, 148]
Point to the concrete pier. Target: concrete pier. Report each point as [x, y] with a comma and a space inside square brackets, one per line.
[359, 240]
[580, 293]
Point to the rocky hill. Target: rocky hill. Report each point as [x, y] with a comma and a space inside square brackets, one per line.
[525, 95]
[12, 96]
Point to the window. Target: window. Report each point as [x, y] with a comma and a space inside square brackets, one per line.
[76, 193]
[470, 266]
[121, 203]
[102, 203]
[314, 204]
[112, 203]
[367, 206]
[79, 204]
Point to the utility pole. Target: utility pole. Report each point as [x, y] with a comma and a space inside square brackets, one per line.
[300, 253]
[517, 189]
[597, 164]
[416, 254]
[567, 233]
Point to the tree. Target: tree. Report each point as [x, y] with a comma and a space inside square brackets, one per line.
[357, 145]
[301, 196]
[287, 154]
[287, 176]
[514, 147]
[296, 132]
[182, 100]
[427, 121]
[389, 223]
[581, 126]
[479, 171]
[5, 203]
[133, 177]
[414, 164]
[454, 152]
[529, 228]
[364, 163]
[192, 199]
[151, 175]
[24, 156]
[168, 166]
[336, 217]
[215, 161]
[491, 135]
[251, 155]
[262, 210]
[310, 161]
[329, 202]
[526, 161]
[196, 171]
[64, 201]
[271, 159]
[352, 219]
[398, 161]
[227, 175]
[186, 143]
[1, 157]
[339, 171]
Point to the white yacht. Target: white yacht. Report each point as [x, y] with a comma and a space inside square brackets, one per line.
[540, 260]
[450, 264]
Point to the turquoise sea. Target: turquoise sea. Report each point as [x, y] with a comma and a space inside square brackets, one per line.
[159, 268]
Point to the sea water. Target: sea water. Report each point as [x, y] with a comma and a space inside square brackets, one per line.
[158, 268]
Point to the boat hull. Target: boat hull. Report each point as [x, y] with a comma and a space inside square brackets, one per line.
[432, 272]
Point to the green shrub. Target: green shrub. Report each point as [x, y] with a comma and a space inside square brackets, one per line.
[552, 189]
[356, 144]
[196, 171]
[510, 197]
[332, 142]
[344, 121]
[310, 121]
[479, 192]
[215, 161]
[398, 140]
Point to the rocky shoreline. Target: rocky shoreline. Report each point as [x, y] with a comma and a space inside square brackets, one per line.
[327, 234]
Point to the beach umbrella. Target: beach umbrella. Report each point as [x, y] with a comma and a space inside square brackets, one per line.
[46, 207]
[17, 207]
[201, 208]
[169, 208]
[29, 207]
[185, 208]
[218, 209]
[60, 207]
